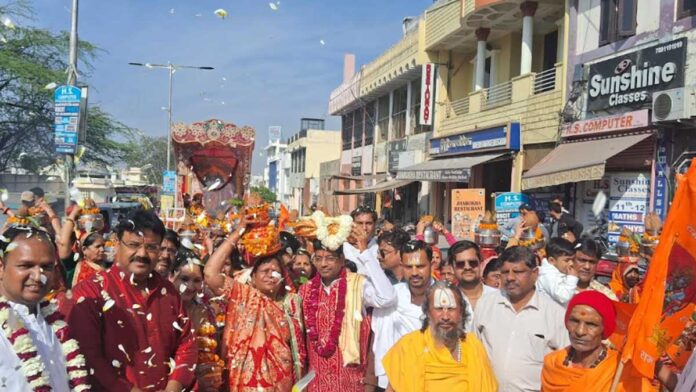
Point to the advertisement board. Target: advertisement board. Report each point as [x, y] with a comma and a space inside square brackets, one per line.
[629, 195]
[468, 208]
[507, 206]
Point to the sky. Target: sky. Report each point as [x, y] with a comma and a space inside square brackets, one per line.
[271, 67]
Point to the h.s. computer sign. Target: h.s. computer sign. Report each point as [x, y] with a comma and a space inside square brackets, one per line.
[629, 80]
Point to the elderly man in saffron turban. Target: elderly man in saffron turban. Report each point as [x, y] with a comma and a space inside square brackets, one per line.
[587, 364]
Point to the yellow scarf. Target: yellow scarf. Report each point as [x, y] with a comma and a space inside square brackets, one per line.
[417, 363]
[349, 340]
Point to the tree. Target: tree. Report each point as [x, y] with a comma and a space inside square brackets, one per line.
[146, 150]
[30, 60]
[266, 194]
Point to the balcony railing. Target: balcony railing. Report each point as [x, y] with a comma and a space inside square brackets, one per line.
[545, 81]
[498, 95]
[458, 107]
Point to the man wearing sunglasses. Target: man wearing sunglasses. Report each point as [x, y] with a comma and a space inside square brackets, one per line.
[517, 325]
[389, 324]
[466, 258]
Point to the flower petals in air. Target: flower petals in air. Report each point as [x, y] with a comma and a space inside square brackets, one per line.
[273, 6]
[220, 13]
[116, 363]
[4, 195]
[177, 327]
[51, 86]
[7, 22]
[172, 365]
[182, 288]
[321, 41]
[108, 305]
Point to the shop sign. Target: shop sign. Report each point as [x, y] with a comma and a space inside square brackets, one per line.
[427, 94]
[394, 148]
[506, 137]
[274, 133]
[659, 189]
[628, 202]
[629, 80]
[442, 175]
[468, 208]
[169, 182]
[67, 100]
[620, 122]
[356, 166]
[507, 206]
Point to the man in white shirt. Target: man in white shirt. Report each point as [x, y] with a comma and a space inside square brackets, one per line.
[517, 325]
[365, 218]
[587, 254]
[557, 276]
[466, 258]
[26, 272]
[389, 324]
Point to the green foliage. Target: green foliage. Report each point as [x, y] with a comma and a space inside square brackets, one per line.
[145, 150]
[266, 194]
[30, 59]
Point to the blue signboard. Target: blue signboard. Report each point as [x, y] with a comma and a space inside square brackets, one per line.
[507, 206]
[659, 190]
[169, 182]
[506, 137]
[67, 118]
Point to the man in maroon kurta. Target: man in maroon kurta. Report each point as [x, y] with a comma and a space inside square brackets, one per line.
[130, 322]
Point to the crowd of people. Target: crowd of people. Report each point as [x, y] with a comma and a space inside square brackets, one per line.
[243, 302]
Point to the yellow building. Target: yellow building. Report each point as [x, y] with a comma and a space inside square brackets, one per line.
[500, 90]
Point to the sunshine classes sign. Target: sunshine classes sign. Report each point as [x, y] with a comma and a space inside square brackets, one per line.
[629, 80]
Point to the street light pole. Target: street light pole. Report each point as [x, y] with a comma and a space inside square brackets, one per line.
[171, 68]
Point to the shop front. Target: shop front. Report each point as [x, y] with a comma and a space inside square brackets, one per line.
[617, 148]
[475, 159]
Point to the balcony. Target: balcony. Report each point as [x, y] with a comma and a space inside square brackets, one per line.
[535, 100]
[398, 64]
[451, 24]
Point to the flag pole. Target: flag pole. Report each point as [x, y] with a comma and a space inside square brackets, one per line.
[617, 377]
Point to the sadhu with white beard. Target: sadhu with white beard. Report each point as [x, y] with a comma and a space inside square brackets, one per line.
[441, 356]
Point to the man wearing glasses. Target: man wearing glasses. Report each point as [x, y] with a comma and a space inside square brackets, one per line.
[466, 258]
[517, 325]
[389, 324]
[130, 321]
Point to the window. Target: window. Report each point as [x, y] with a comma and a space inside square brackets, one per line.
[311, 123]
[369, 123]
[347, 130]
[399, 112]
[383, 121]
[617, 21]
[686, 8]
[358, 121]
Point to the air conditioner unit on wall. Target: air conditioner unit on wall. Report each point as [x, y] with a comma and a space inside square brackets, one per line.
[674, 105]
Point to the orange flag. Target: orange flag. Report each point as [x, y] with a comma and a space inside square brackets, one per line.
[669, 291]
[283, 217]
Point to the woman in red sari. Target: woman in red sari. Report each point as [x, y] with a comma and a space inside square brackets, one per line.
[263, 343]
[81, 259]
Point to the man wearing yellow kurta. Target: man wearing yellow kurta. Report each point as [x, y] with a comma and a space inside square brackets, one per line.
[441, 356]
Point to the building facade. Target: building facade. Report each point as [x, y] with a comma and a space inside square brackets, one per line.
[275, 175]
[307, 149]
[628, 121]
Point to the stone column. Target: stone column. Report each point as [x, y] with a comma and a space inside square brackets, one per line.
[481, 37]
[528, 9]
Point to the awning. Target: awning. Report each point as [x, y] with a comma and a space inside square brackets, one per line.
[377, 177]
[379, 187]
[449, 169]
[577, 161]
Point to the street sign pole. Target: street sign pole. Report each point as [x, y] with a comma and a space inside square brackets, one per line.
[72, 79]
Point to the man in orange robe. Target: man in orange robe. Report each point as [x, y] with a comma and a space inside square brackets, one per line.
[587, 364]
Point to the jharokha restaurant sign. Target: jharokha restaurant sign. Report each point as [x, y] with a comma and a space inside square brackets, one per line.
[600, 125]
[629, 80]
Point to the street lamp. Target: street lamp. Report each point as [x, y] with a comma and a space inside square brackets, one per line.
[171, 68]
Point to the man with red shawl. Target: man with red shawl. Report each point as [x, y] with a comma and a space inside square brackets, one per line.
[334, 306]
[130, 322]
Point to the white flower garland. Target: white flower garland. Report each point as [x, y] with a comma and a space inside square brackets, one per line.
[333, 241]
[33, 368]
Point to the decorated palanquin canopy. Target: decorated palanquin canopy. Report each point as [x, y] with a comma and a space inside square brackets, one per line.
[216, 152]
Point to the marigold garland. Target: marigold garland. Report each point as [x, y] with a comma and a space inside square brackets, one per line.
[32, 367]
[329, 348]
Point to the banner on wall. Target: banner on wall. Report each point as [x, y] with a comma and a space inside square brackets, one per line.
[629, 195]
[507, 206]
[427, 94]
[468, 208]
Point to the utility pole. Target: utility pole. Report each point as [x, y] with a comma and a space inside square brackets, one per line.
[72, 80]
